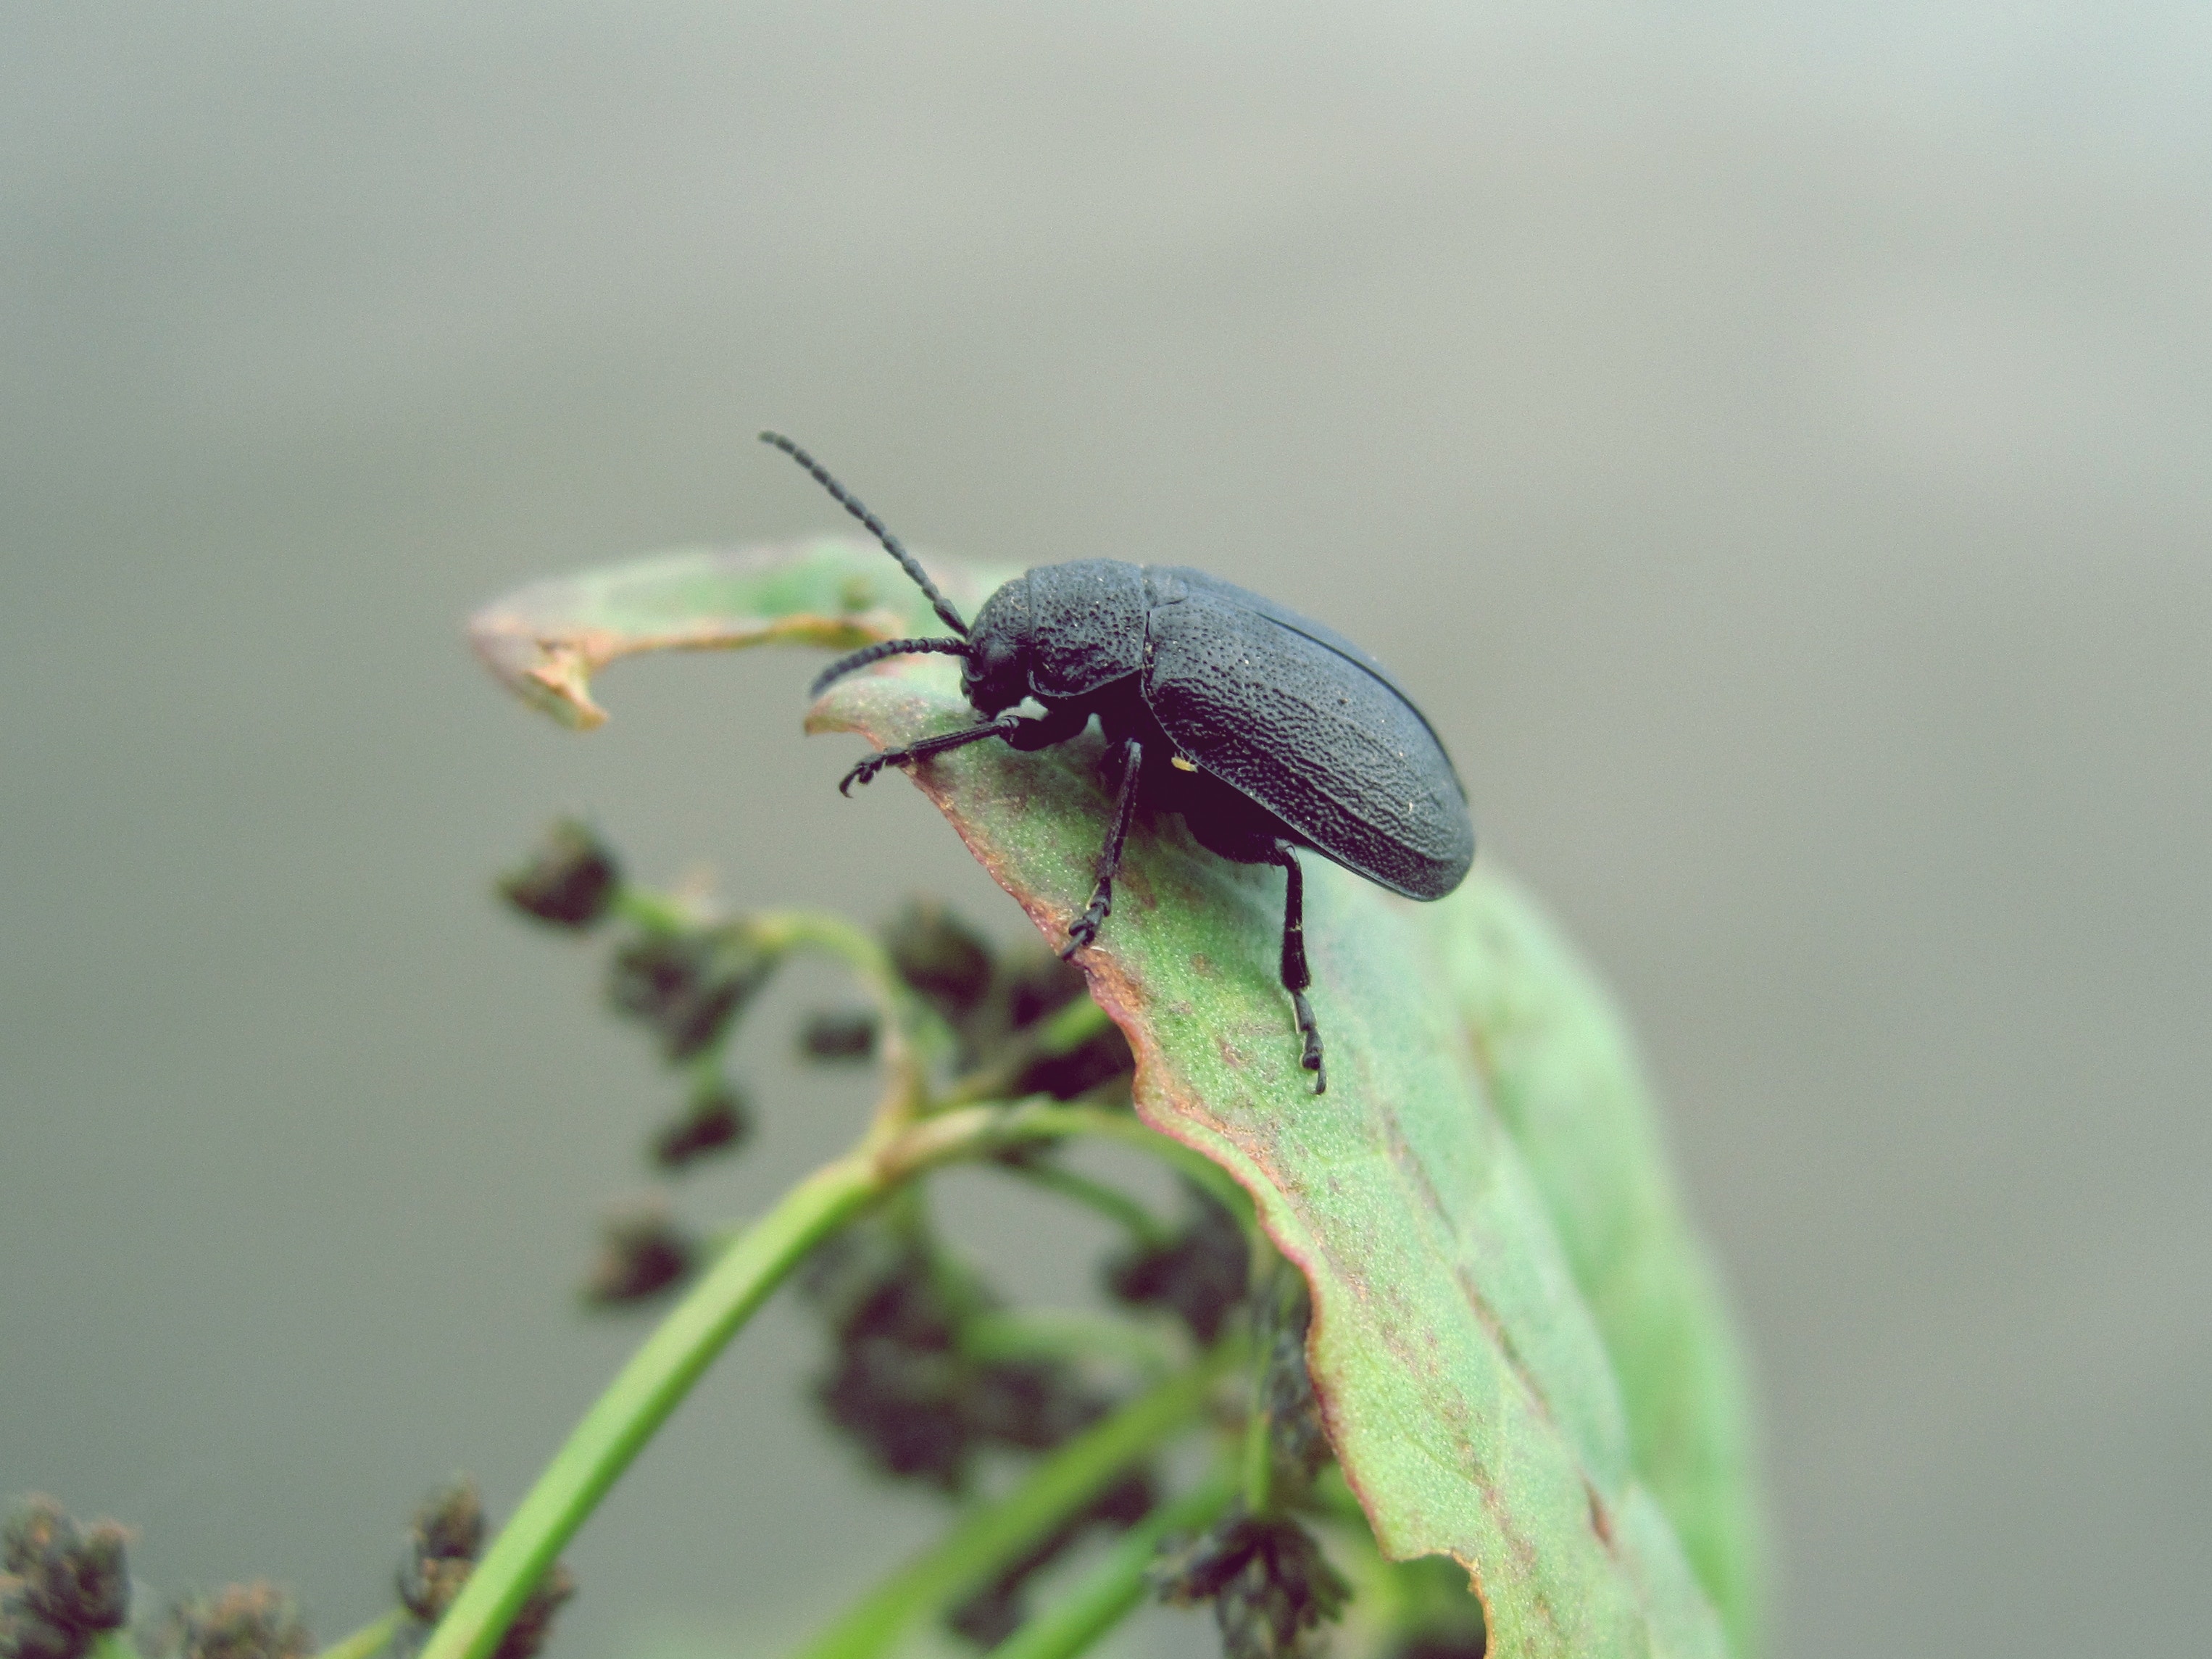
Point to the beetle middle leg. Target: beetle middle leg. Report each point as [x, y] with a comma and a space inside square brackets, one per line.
[1296, 975]
[1084, 930]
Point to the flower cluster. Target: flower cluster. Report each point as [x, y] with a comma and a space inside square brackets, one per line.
[927, 1374]
[243, 1621]
[442, 1546]
[64, 1584]
[568, 882]
[997, 1610]
[1269, 1582]
[1200, 1274]
[899, 1383]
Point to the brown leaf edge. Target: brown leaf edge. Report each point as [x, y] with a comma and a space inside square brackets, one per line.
[544, 642]
[1634, 1532]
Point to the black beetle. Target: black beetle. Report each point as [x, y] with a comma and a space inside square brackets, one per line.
[1267, 732]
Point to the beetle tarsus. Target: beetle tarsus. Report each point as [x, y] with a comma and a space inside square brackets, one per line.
[1312, 1031]
[864, 774]
[1297, 976]
[1084, 930]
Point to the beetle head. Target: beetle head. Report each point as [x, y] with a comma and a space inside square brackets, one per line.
[998, 672]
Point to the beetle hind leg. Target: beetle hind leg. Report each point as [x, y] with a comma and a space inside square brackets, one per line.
[1084, 930]
[1297, 977]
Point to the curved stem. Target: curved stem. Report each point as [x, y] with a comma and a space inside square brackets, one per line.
[1109, 1592]
[658, 1377]
[972, 1129]
[1259, 1449]
[910, 1031]
[654, 911]
[369, 1640]
[1040, 1334]
[995, 1533]
[648, 1389]
[1117, 1205]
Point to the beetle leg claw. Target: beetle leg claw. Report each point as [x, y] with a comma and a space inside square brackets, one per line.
[865, 773]
[1084, 930]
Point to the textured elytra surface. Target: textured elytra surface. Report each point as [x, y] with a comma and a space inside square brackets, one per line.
[1516, 1342]
[1340, 754]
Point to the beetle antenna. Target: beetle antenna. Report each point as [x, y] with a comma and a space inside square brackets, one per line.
[851, 503]
[868, 654]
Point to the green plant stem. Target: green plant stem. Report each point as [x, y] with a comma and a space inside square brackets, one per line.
[654, 911]
[659, 1375]
[112, 1644]
[1106, 1594]
[1037, 1333]
[1259, 1458]
[370, 1639]
[1117, 1205]
[911, 1032]
[648, 1389]
[973, 1129]
[995, 1533]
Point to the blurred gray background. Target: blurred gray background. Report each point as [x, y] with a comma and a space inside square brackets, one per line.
[1773, 442]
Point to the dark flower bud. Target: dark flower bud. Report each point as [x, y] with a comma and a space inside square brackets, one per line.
[1296, 1436]
[876, 1279]
[894, 1383]
[246, 1621]
[834, 1034]
[1268, 1581]
[688, 986]
[37, 1527]
[936, 954]
[641, 1253]
[1038, 983]
[1200, 1275]
[28, 1633]
[447, 1533]
[718, 1119]
[450, 1525]
[898, 1383]
[1098, 1059]
[533, 1624]
[569, 880]
[900, 1405]
[65, 1584]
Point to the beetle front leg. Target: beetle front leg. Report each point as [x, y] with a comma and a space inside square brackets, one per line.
[1084, 930]
[1021, 730]
[1295, 976]
[865, 773]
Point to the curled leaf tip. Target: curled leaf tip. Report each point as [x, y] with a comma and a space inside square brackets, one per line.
[565, 677]
[546, 641]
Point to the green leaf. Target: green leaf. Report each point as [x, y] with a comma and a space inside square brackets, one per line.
[1563, 1073]
[546, 641]
[1516, 1346]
